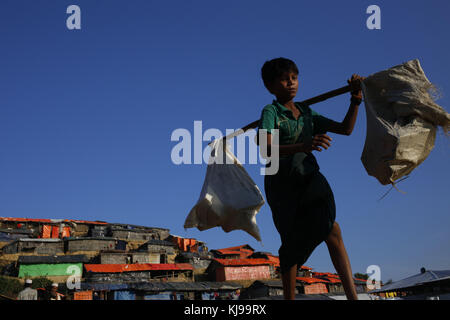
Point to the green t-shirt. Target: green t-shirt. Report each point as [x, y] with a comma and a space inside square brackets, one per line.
[277, 116]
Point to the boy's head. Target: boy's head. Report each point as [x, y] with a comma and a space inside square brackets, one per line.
[280, 77]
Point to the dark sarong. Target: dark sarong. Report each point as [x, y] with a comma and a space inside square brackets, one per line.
[303, 211]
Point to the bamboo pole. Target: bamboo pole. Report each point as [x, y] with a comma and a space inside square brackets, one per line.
[313, 100]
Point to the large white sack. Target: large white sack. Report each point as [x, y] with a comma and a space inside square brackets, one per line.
[229, 197]
[402, 119]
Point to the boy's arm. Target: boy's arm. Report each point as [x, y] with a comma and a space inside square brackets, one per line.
[346, 126]
[319, 141]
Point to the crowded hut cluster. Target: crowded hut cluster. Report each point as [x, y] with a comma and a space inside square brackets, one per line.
[92, 260]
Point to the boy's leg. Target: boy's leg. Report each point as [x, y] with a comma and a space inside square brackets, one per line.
[341, 262]
[288, 279]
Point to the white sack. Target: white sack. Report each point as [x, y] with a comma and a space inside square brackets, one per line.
[229, 197]
[402, 119]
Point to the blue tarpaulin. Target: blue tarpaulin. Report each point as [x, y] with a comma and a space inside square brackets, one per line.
[124, 295]
[163, 296]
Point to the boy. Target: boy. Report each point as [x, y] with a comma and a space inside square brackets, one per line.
[300, 198]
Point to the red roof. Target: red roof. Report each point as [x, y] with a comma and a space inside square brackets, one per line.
[333, 280]
[325, 274]
[242, 262]
[242, 247]
[114, 268]
[330, 277]
[50, 220]
[311, 280]
[239, 250]
[228, 251]
[274, 260]
[305, 268]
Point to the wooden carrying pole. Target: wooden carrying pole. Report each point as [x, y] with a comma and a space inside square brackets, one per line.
[319, 98]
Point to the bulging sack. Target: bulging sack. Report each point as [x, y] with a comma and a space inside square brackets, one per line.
[229, 197]
[402, 119]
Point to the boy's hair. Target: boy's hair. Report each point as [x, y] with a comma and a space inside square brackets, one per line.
[275, 68]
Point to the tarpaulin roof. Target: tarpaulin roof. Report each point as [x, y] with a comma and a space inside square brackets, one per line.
[326, 274]
[274, 260]
[115, 268]
[59, 269]
[305, 268]
[243, 250]
[416, 280]
[311, 280]
[242, 262]
[80, 258]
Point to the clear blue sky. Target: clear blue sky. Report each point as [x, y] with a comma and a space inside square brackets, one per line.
[86, 115]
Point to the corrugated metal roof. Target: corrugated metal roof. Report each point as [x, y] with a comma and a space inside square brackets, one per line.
[17, 231]
[415, 280]
[50, 220]
[135, 226]
[38, 240]
[162, 286]
[156, 242]
[116, 268]
[185, 286]
[104, 286]
[91, 238]
[268, 283]
[242, 262]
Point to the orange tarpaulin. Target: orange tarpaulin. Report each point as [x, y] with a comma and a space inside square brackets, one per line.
[46, 231]
[66, 232]
[82, 295]
[187, 244]
[55, 232]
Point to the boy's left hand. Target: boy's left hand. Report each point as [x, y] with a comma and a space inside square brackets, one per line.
[355, 84]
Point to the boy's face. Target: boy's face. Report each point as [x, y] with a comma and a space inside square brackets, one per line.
[285, 86]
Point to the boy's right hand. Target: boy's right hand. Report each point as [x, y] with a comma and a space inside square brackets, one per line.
[319, 141]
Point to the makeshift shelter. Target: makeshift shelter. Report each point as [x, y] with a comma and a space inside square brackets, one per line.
[311, 285]
[139, 232]
[158, 246]
[45, 266]
[243, 251]
[194, 290]
[94, 244]
[13, 234]
[138, 272]
[425, 283]
[36, 246]
[239, 269]
[264, 288]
